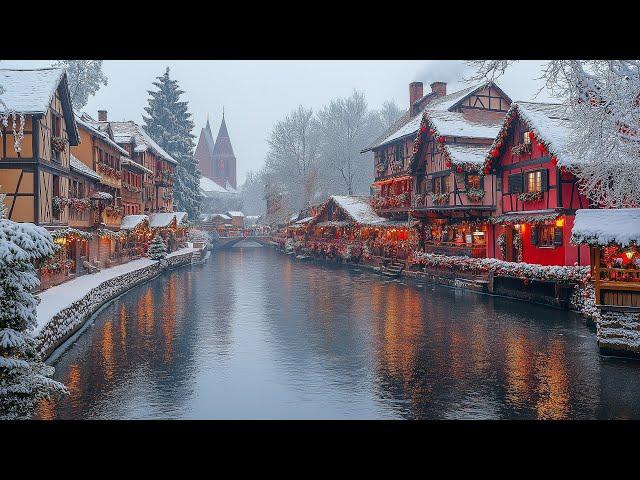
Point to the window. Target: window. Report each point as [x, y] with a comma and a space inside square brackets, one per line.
[546, 236]
[56, 129]
[473, 181]
[441, 184]
[534, 181]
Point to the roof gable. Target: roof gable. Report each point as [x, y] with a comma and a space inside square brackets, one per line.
[550, 123]
[408, 126]
[356, 208]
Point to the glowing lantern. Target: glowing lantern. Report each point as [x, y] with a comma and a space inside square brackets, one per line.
[494, 152]
[441, 139]
[629, 254]
[560, 222]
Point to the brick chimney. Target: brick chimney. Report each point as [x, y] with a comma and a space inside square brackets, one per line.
[415, 94]
[439, 88]
[102, 115]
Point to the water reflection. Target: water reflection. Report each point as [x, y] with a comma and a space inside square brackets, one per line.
[255, 334]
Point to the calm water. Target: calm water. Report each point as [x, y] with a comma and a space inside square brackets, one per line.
[256, 334]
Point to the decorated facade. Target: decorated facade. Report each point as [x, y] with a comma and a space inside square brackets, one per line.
[537, 193]
[453, 198]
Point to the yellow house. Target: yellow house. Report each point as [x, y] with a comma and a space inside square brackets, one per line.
[35, 145]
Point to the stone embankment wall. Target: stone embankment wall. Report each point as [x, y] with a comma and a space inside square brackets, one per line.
[68, 321]
[618, 331]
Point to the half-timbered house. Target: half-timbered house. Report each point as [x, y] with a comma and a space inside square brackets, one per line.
[392, 151]
[34, 145]
[537, 193]
[99, 151]
[452, 197]
[159, 167]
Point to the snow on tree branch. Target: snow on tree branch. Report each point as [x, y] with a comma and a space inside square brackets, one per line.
[603, 98]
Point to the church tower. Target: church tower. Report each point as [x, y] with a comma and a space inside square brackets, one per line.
[224, 161]
[204, 151]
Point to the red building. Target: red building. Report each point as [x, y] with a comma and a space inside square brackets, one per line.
[537, 193]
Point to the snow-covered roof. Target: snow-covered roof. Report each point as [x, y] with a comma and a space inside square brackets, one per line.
[101, 196]
[29, 91]
[607, 226]
[85, 123]
[235, 214]
[211, 216]
[462, 153]
[304, 220]
[181, 217]
[551, 123]
[447, 101]
[127, 162]
[229, 188]
[358, 209]
[161, 219]
[209, 186]
[455, 124]
[130, 222]
[126, 130]
[409, 126]
[77, 166]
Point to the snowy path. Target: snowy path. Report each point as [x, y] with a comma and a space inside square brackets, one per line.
[56, 299]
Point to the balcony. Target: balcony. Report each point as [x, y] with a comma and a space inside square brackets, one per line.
[164, 178]
[392, 202]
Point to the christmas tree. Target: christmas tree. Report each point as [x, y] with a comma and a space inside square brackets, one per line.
[24, 378]
[169, 124]
[157, 248]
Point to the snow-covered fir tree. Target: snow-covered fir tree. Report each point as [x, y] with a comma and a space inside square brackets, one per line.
[157, 248]
[84, 77]
[24, 378]
[169, 123]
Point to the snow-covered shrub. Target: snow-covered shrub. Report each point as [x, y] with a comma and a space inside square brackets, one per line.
[24, 378]
[157, 248]
[288, 246]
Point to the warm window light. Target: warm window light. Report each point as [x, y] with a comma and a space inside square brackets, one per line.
[560, 222]
[60, 240]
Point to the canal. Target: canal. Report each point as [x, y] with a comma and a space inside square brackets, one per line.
[256, 334]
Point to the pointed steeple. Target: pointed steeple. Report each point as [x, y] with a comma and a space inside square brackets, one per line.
[224, 160]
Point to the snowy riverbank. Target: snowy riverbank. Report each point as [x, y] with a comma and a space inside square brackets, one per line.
[63, 309]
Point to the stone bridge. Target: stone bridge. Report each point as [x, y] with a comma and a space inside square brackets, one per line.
[228, 242]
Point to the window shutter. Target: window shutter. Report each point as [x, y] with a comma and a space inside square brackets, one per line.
[534, 235]
[544, 182]
[515, 183]
[557, 236]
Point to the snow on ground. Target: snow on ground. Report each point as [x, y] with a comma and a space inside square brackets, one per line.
[56, 299]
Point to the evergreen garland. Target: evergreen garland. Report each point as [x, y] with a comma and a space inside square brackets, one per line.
[169, 124]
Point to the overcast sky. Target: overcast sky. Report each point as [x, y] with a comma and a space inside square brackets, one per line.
[255, 94]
